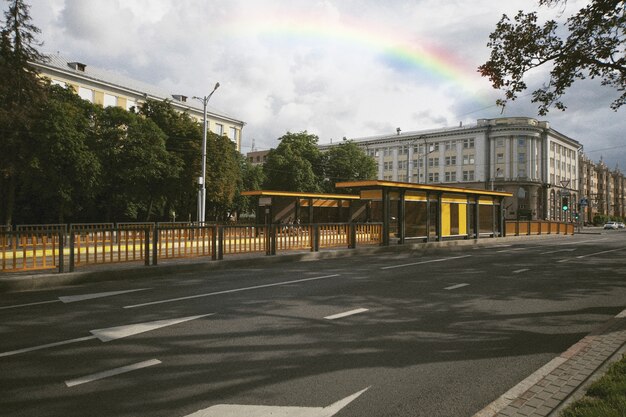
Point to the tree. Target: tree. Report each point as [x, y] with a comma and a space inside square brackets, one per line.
[135, 165]
[252, 178]
[183, 142]
[60, 182]
[223, 177]
[295, 165]
[348, 162]
[20, 92]
[594, 48]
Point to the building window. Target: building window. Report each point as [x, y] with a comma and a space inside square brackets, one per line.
[232, 134]
[403, 150]
[468, 159]
[109, 100]
[521, 158]
[499, 158]
[402, 164]
[499, 173]
[468, 175]
[451, 176]
[130, 104]
[521, 171]
[521, 142]
[551, 162]
[85, 94]
[219, 129]
[450, 160]
[387, 151]
[468, 143]
[433, 177]
[433, 162]
[500, 143]
[450, 145]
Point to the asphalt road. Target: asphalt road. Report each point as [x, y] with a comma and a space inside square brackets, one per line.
[403, 334]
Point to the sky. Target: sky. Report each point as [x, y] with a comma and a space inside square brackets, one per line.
[335, 68]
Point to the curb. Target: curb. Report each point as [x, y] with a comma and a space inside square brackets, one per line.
[113, 272]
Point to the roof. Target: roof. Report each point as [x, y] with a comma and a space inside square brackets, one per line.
[270, 193]
[115, 79]
[419, 187]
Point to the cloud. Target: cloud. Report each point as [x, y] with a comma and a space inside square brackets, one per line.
[335, 68]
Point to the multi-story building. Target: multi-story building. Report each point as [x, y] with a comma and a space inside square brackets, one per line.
[602, 190]
[108, 88]
[520, 155]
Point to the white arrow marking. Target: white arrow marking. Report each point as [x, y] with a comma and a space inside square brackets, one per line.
[454, 287]
[75, 298]
[112, 333]
[346, 314]
[111, 372]
[234, 410]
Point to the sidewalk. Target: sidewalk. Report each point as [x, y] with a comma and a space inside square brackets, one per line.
[564, 379]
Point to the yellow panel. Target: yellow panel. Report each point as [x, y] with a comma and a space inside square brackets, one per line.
[98, 98]
[445, 219]
[415, 197]
[462, 220]
[372, 194]
[122, 102]
[485, 200]
[454, 198]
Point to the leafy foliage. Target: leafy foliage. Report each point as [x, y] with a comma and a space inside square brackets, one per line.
[348, 162]
[295, 165]
[594, 47]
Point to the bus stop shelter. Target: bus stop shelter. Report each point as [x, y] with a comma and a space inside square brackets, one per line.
[275, 207]
[430, 212]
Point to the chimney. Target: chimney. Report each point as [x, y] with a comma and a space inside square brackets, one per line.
[180, 97]
[77, 66]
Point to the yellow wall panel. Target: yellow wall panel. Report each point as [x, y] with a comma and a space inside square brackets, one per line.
[98, 98]
[445, 219]
[462, 220]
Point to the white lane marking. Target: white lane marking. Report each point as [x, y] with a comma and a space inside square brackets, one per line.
[557, 251]
[511, 250]
[579, 242]
[75, 298]
[236, 410]
[190, 297]
[112, 372]
[518, 271]
[346, 314]
[82, 297]
[425, 262]
[621, 315]
[454, 287]
[599, 253]
[112, 333]
[30, 304]
[30, 349]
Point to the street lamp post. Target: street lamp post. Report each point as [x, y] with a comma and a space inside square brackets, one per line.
[202, 179]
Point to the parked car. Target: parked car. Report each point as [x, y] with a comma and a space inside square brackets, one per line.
[620, 225]
[611, 225]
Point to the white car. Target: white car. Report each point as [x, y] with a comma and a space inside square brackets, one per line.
[620, 225]
[611, 225]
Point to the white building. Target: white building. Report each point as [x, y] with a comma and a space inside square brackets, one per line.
[520, 155]
[108, 88]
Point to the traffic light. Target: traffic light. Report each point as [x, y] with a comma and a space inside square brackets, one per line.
[565, 203]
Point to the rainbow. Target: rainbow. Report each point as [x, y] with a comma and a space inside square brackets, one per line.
[393, 47]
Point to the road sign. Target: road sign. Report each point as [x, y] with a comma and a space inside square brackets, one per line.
[583, 202]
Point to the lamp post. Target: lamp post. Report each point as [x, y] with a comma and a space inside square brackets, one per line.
[202, 179]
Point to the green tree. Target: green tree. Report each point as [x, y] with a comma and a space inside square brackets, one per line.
[223, 178]
[135, 165]
[252, 178]
[59, 184]
[183, 142]
[295, 165]
[21, 91]
[593, 47]
[348, 162]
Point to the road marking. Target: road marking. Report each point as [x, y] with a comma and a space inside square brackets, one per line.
[511, 250]
[31, 349]
[454, 287]
[517, 271]
[563, 260]
[75, 298]
[112, 372]
[190, 297]
[599, 253]
[30, 304]
[235, 410]
[425, 262]
[112, 333]
[557, 251]
[582, 241]
[346, 314]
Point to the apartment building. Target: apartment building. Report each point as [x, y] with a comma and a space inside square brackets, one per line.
[108, 88]
[602, 190]
[519, 155]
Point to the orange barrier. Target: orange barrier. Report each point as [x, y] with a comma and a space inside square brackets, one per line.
[29, 251]
[537, 227]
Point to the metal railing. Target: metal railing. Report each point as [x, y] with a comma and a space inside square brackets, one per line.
[31, 251]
